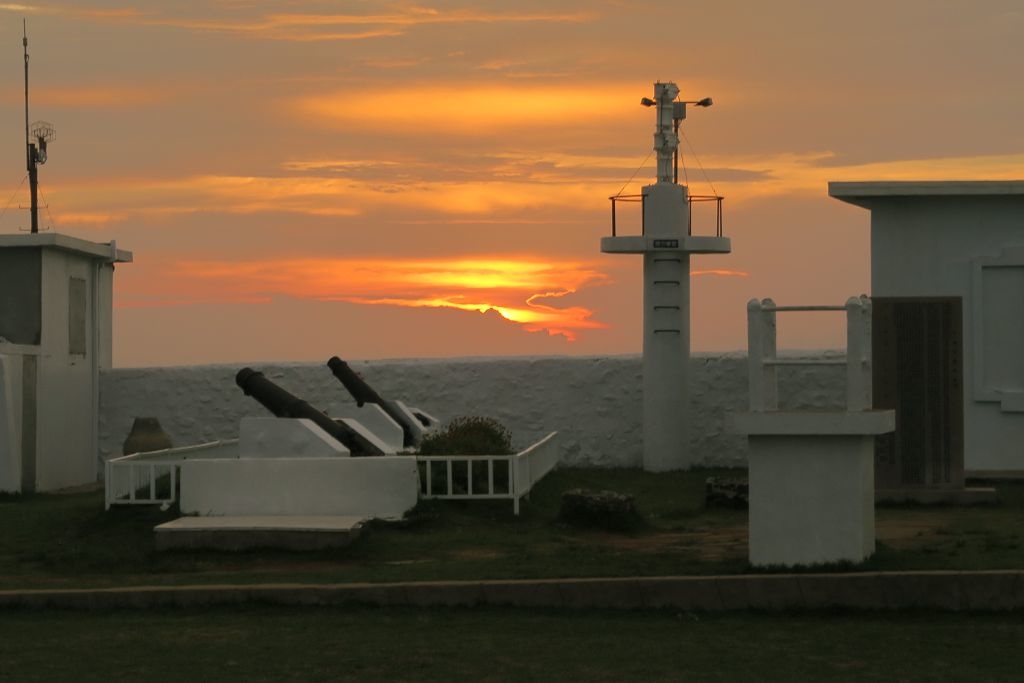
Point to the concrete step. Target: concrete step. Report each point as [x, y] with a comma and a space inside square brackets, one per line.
[938, 496]
[299, 532]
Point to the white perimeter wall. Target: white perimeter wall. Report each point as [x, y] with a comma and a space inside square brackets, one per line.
[593, 403]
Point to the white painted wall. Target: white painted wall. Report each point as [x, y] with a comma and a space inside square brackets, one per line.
[65, 440]
[593, 402]
[932, 246]
[384, 487]
[10, 422]
[104, 300]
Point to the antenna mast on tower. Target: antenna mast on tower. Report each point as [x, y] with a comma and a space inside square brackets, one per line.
[35, 152]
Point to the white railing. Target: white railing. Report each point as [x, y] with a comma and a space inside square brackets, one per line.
[487, 477]
[140, 483]
[152, 478]
[762, 352]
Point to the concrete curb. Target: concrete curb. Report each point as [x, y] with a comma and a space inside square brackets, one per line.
[988, 591]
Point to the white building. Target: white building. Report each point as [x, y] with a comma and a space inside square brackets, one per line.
[947, 260]
[55, 337]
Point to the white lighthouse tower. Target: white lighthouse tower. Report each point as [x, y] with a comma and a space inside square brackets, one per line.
[666, 243]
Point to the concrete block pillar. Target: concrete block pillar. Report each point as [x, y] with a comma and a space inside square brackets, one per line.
[666, 333]
[666, 360]
[811, 499]
[812, 485]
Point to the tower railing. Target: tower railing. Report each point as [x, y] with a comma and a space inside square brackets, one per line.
[690, 200]
[763, 359]
[694, 198]
[628, 198]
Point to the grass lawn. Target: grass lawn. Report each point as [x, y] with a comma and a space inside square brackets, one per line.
[406, 644]
[69, 540]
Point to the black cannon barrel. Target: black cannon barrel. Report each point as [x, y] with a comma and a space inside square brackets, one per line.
[282, 403]
[364, 393]
[356, 385]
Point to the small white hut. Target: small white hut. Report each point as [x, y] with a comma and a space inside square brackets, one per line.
[947, 283]
[56, 295]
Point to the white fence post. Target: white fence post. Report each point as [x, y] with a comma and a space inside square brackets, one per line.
[858, 352]
[770, 349]
[755, 355]
[761, 347]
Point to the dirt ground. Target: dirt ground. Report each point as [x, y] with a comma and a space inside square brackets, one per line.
[909, 529]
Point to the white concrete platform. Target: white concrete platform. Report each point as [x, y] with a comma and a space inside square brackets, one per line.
[688, 244]
[384, 487]
[287, 532]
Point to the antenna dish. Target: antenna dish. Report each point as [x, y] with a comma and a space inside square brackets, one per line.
[43, 131]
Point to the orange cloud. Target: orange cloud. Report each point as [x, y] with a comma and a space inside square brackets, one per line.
[98, 96]
[788, 174]
[472, 109]
[310, 27]
[72, 12]
[721, 272]
[317, 195]
[499, 189]
[517, 288]
[225, 194]
[90, 218]
[307, 27]
[533, 317]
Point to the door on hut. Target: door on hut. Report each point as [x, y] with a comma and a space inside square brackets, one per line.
[917, 356]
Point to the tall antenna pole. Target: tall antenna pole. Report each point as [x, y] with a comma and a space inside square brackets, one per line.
[24, 42]
[30, 149]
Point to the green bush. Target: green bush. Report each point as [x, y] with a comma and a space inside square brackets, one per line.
[469, 436]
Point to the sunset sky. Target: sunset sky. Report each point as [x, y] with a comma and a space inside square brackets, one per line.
[388, 179]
